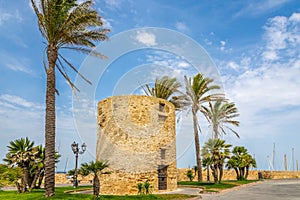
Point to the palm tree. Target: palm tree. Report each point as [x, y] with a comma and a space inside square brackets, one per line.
[37, 167]
[95, 168]
[219, 115]
[214, 152]
[163, 88]
[64, 24]
[198, 92]
[241, 161]
[224, 153]
[251, 162]
[206, 163]
[21, 153]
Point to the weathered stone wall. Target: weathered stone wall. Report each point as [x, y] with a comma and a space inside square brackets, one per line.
[228, 175]
[253, 175]
[62, 178]
[280, 174]
[136, 135]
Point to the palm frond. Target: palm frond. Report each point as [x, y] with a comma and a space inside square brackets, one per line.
[65, 75]
[74, 69]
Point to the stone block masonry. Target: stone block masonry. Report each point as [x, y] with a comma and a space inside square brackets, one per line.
[136, 135]
[253, 175]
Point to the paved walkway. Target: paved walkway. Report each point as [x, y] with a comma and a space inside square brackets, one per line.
[268, 190]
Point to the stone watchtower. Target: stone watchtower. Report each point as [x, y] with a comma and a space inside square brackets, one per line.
[136, 135]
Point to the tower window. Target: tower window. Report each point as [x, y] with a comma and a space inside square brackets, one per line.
[161, 107]
[163, 154]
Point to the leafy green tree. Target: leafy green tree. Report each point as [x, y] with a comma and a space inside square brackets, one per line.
[95, 168]
[241, 161]
[220, 114]
[198, 92]
[190, 174]
[195, 168]
[215, 152]
[64, 24]
[21, 153]
[9, 175]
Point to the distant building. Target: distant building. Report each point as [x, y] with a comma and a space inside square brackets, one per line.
[136, 135]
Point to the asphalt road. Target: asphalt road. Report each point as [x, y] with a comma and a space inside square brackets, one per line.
[268, 190]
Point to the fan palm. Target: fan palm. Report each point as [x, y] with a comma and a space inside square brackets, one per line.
[198, 92]
[241, 161]
[219, 114]
[163, 88]
[215, 151]
[251, 162]
[37, 167]
[95, 168]
[21, 153]
[64, 24]
[233, 163]
[206, 163]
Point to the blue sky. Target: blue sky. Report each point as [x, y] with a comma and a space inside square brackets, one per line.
[255, 46]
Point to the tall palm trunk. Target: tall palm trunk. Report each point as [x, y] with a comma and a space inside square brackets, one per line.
[41, 177]
[220, 172]
[19, 188]
[35, 178]
[207, 174]
[52, 53]
[96, 185]
[197, 144]
[25, 179]
[242, 170]
[247, 172]
[215, 131]
[214, 169]
[237, 173]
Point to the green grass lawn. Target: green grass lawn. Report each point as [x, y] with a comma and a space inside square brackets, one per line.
[210, 187]
[60, 194]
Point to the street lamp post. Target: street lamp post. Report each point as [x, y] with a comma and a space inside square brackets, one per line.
[77, 151]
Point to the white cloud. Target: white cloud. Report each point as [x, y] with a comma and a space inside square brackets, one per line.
[5, 17]
[148, 39]
[10, 16]
[106, 23]
[181, 26]
[222, 47]
[270, 55]
[266, 86]
[21, 117]
[16, 64]
[259, 7]
[173, 65]
[208, 42]
[16, 100]
[233, 65]
[295, 17]
[282, 37]
[113, 3]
